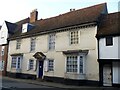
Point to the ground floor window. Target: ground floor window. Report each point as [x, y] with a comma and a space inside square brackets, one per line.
[1, 65]
[75, 64]
[31, 64]
[16, 62]
[50, 65]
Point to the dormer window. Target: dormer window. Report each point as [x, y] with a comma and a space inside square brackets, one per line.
[27, 27]
[24, 28]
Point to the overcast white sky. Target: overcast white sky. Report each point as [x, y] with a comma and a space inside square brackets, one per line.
[15, 10]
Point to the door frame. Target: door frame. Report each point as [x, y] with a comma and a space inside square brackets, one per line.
[38, 69]
[110, 64]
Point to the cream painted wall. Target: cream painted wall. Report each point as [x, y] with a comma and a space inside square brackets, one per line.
[59, 64]
[92, 66]
[87, 42]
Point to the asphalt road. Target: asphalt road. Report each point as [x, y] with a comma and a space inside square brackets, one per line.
[18, 85]
[11, 84]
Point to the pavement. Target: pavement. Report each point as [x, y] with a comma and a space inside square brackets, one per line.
[59, 85]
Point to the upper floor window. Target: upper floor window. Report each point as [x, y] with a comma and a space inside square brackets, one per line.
[51, 41]
[18, 44]
[32, 44]
[109, 41]
[74, 37]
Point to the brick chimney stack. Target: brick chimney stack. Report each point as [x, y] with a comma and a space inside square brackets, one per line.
[33, 15]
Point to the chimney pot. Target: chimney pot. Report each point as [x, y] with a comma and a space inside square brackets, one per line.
[72, 9]
[33, 15]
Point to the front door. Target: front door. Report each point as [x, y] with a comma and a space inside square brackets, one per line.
[107, 80]
[40, 69]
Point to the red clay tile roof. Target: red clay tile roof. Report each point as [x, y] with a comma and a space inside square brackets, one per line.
[77, 17]
[110, 25]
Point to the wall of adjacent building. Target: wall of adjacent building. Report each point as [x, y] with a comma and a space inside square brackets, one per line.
[108, 52]
[62, 43]
[3, 34]
[116, 73]
[0, 61]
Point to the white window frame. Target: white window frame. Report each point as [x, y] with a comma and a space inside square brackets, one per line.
[31, 64]
[32, 44]
[18, 44]
[73, 38]
[34, 66]
[52, 41]
[78, 64]
[51, 65]
[17, 62]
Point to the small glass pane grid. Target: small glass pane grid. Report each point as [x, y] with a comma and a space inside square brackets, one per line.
[51, 65]
[74, 37]
[72, 64]
[14, 60]
[31, 62]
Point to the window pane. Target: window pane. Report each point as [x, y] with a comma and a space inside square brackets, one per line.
[18, 64]
[71, 64]
[74, 37]
[31, 63]
[32, 45]
[51, 65]
[18, 44]
[81, 64]
[13, 64]
[51, 41]
[109, 41]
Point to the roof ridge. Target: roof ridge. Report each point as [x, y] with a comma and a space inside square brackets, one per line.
[73, 11]
[81, 16]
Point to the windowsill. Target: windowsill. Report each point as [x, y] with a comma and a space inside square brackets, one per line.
[32, 51]
[17, 70]
[18, 49]
[53, 50]
[75, 76]
[75, 73]
[51, 71]
[109, 45]
[74, 44]
[30, 70]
